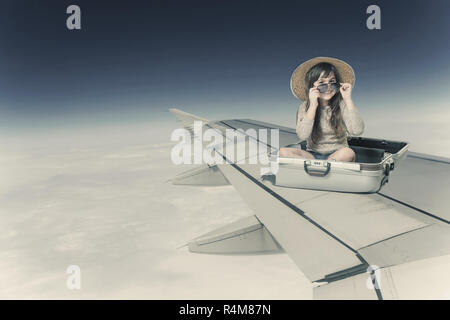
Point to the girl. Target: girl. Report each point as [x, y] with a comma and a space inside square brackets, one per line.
[328, 113]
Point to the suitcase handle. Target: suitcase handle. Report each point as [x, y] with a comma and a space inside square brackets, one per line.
[316, 173]
[387, 168]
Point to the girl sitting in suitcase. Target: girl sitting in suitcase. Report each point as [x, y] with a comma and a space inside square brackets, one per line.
[327, 115]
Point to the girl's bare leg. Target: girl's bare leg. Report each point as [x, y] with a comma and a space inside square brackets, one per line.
[295, 153]
[343, 154]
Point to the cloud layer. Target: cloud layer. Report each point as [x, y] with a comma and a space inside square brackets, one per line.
[110, 211]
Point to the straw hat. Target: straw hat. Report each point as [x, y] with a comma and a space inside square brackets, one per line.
[298, 84]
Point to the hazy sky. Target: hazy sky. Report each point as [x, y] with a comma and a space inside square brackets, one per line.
[133, 60]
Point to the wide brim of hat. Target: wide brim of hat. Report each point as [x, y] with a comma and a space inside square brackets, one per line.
[298, 84]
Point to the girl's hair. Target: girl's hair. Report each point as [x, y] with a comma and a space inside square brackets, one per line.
[336, 117]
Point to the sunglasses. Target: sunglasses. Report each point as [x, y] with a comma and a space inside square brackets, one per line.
[324, 87]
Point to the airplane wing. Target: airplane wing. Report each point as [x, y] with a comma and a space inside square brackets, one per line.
[335, 238]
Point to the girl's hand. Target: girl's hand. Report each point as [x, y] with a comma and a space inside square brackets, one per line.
[314, 96]
[346, 91]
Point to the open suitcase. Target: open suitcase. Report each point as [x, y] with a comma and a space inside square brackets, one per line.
[375, 158]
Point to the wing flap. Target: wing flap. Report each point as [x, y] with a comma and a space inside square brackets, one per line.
[245, 236]
[419, 244]
[361, 219]
[352, 288]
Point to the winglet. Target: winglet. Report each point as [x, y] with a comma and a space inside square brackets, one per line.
[186, 117]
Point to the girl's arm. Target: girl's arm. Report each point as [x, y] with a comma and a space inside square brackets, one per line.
[352, 118]
[305, 120]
